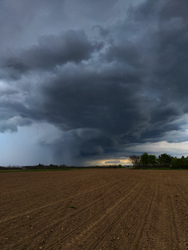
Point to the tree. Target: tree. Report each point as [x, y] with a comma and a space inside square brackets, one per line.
[165, 159]
[180, 162]
[148, 159]
[135, 159]
[144, 159]
[152, 159]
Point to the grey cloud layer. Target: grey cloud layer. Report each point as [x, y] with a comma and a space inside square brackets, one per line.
[51, 51]
[125, 85]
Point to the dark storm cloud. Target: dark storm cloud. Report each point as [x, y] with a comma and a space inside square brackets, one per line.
[87, 99]
[90, 99]
[125, 53]
[100, 10]
[101, 31]
[128, 89]
[75, 144]
[51, 51]
[17, 115]
[22, 22]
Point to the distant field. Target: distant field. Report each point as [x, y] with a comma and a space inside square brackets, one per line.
[34, 170]
[94, 209]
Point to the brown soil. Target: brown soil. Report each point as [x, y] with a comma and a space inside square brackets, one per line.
[94, 209]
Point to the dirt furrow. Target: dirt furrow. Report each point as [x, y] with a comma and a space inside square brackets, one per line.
[145, 217]
[61, 201]
[107, 218]
[175, 221]
[41, 190]
[27, 212]
[94, 209]
[112, 191]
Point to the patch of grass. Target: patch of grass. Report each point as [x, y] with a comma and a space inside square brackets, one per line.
[73, 207]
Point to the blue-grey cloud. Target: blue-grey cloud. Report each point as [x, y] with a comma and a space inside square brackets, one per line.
[51, 52]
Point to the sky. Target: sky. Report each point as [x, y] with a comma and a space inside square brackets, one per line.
[85, 82]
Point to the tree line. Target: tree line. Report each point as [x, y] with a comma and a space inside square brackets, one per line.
[162, 161]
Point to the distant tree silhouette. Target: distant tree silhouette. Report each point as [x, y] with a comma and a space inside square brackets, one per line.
[135, 159]
[144, 160]
[165, 159]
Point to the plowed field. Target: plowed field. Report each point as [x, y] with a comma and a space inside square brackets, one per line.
[94, 209]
